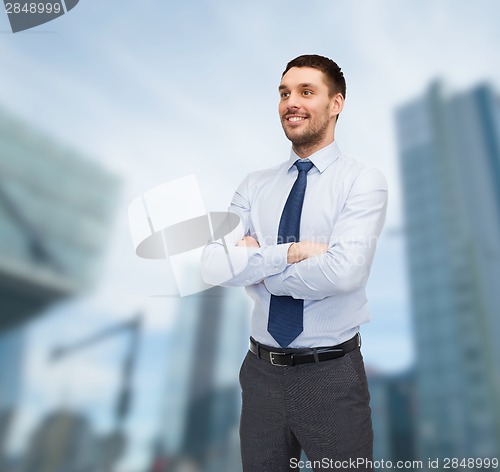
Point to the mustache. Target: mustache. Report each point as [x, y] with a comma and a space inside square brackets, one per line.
[289, 113]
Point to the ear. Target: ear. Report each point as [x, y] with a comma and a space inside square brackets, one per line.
[337, 104]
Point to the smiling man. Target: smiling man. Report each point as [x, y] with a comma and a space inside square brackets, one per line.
[310, 228]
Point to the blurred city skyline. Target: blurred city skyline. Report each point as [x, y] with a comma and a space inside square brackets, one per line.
[155, 92]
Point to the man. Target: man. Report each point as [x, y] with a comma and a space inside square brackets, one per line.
[310, 227]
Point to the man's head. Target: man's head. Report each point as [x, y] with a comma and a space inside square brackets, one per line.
[312, 94]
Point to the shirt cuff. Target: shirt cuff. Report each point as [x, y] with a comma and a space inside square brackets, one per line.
[275, 258]
[274, 285]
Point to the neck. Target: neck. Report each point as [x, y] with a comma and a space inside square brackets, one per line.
[309, 149]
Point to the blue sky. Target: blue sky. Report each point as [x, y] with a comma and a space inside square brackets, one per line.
[157, 90]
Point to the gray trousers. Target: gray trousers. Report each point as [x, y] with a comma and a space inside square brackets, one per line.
[320, 408]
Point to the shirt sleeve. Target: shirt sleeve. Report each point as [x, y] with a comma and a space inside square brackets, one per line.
[345, 267]
[224, 263]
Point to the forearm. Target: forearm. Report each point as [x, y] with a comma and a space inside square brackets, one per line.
[229, 265]
[322, 276]
[232, 261]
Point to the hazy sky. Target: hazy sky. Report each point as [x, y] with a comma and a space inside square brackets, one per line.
[156, 90]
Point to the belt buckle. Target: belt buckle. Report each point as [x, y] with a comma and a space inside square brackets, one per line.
[271, 358]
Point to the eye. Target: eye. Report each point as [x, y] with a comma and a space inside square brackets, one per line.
[307, 92]
[284, 94]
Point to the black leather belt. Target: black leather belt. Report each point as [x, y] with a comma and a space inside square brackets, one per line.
[304, 356]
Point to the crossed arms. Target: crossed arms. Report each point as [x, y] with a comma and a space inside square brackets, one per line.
[305, 270]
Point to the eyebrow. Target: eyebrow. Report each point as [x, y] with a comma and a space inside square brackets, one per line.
[303, 85]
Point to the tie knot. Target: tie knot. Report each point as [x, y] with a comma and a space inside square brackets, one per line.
[304, 166]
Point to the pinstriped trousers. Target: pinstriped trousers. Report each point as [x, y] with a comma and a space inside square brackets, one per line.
[320, 408]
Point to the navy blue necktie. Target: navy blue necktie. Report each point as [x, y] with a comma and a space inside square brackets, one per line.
[286, 313]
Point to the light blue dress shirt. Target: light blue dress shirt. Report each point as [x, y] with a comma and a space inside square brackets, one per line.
[345, 207]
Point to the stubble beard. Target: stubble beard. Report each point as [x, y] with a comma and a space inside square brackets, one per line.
[308, 138]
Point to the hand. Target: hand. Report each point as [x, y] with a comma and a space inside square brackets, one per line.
[248, 241]
[303, 250]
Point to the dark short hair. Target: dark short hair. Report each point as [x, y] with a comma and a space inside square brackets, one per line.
[334, 75]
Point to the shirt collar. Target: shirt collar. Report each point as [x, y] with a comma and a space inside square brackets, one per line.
[321, 159]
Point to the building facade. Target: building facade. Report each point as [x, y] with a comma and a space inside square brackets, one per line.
[450, 165]
[55, 212]
[203, 399]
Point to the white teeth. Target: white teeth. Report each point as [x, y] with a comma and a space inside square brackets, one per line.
[296, 118]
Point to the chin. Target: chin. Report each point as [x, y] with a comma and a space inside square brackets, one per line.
[299, 139]
[294, 134]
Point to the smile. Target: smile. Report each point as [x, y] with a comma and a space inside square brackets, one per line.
[295, 118]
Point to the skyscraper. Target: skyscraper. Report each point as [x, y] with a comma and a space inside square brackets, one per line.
[11, 372]
[392, 403]
[202, 401]
[11, 367]
[64, 440]
[449, 146]
[55, 212]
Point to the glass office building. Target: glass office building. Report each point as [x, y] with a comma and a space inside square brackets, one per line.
[449, 148]
[55, 213]
[203, 399]
[11, 372]
[392, 400]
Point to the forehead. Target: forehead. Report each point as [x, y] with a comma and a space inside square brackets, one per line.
[297, 76]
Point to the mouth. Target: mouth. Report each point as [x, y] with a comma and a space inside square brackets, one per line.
[295, 118]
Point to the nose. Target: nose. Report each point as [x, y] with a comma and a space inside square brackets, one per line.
[293, 101]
